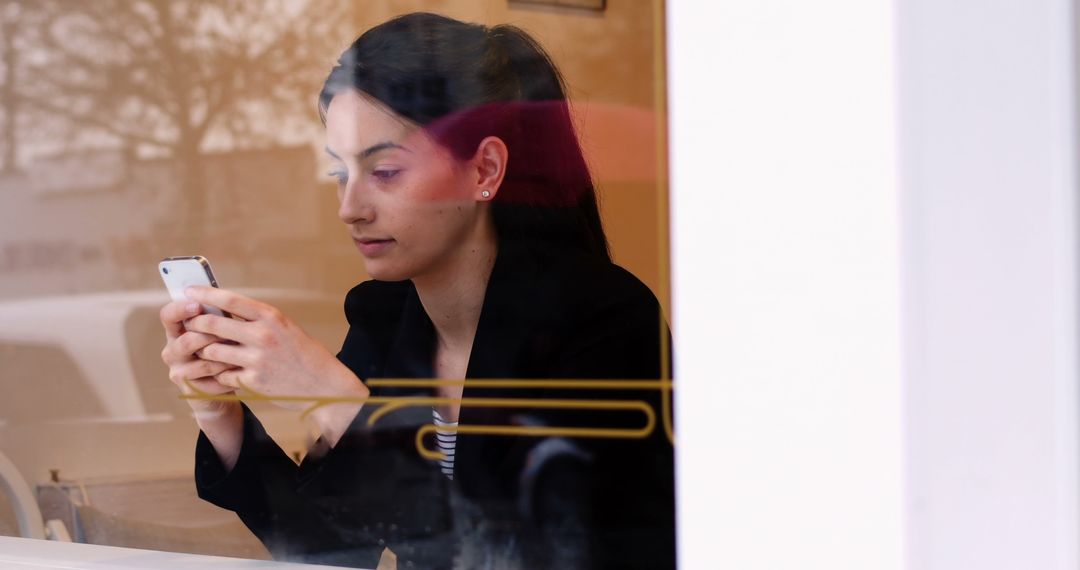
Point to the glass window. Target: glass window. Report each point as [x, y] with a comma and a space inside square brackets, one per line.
[441, 239]
[47, 385]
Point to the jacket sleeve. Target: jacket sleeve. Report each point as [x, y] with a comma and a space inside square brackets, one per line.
[259, 488]
[340, 505]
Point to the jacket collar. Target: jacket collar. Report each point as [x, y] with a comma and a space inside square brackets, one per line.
[500, 334]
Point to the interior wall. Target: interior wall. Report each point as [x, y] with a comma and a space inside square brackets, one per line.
[988, 108]
[785, 284]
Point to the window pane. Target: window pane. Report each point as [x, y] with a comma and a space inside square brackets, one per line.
[443, 245]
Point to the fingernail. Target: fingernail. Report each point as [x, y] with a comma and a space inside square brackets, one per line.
[192, 308]
[189, 291]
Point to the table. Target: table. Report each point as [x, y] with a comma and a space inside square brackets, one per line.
[34, 554]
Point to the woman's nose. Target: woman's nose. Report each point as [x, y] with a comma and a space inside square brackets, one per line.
[355, 206]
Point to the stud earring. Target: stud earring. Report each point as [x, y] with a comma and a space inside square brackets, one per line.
[486, 194]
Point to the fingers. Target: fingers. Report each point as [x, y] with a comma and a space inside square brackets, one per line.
[173, 315]
[197, 369]
[236, 379]
[230, 329]
[208, 385]
[235, 303]
[234, 355]
[185, 347]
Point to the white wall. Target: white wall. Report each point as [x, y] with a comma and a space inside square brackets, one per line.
[875, 282]
[786, 288]
[989, 209]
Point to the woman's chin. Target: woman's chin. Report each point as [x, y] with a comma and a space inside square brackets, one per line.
[385, 272]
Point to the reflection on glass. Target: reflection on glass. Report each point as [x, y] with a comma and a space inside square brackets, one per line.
[495, 395]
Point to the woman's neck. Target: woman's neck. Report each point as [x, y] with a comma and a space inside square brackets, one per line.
[454, 296]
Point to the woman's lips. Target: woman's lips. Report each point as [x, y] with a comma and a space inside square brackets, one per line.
[372, 247]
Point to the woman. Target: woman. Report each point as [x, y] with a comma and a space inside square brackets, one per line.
[464, 188]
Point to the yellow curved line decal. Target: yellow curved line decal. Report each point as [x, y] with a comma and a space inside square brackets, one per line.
[390, 404]
[547, 431]
[530, 431]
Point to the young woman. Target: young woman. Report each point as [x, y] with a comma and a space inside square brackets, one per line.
[464, 188]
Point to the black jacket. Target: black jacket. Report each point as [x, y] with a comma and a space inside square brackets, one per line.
[515, 500]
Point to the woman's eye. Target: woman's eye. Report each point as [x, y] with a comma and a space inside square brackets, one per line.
[385, 175]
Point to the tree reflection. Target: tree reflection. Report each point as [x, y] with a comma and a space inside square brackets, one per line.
[163, 78]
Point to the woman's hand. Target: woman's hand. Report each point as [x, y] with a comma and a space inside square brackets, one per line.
[185, 367]
[221, 421]
[273, 356]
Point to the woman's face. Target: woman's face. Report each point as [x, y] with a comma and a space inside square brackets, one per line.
[409, 205]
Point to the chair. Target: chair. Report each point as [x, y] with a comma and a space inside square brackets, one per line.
[20, 502]
[154, 512]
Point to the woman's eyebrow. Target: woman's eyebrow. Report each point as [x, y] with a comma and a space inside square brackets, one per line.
[378, 147]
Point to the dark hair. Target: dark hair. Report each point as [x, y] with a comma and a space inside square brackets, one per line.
[463, 82]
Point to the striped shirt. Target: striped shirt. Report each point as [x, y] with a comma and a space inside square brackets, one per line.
[446, 440]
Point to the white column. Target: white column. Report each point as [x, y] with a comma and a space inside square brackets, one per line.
[785, 284]
[989, 222]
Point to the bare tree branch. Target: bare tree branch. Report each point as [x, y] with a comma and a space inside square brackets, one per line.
[102, 124]
[169, 74]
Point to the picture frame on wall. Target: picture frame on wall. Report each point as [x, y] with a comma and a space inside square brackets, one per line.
[594, 5]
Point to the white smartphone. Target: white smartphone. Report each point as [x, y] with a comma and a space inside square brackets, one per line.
[182, 272]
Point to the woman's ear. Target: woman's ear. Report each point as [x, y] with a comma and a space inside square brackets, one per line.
[490, 162]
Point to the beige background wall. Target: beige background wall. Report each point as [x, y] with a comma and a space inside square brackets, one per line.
[98, 218]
